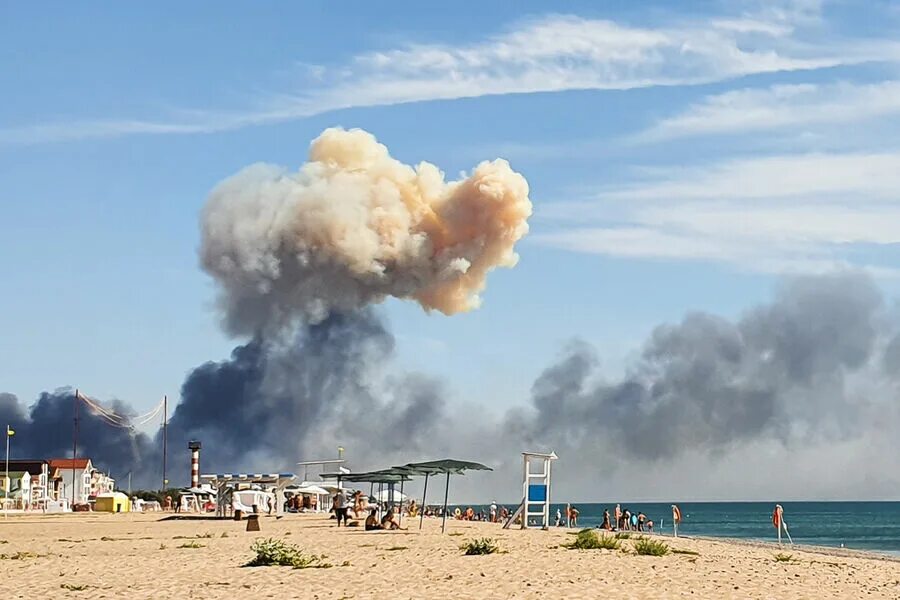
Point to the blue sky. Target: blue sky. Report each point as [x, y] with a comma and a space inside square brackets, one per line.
[681, 156]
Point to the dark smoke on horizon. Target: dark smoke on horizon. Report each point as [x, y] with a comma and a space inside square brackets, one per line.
[814, 369]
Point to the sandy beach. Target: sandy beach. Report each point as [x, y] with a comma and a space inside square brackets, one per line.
[139, 556]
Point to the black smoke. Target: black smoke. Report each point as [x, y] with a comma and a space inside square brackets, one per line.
[46, 430]
[274, 402]
[810, 379]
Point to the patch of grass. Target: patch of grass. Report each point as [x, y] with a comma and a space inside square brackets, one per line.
[66, 540]
[272, 552]
[224, 534]
[393, 548]
[480, 546]
[162, 546]
[4, 542]
[192, 545]
[455, 534]
[206, 535]
[784, 557]
[623, 535]
[648, 547]
[587, 539]
[74, 587]
[691, 552]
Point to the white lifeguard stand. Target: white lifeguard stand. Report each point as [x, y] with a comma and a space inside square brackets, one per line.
[536, 489]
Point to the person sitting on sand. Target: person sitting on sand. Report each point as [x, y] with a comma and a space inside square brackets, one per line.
[372, 521]
[389, 521]
[650, 526]
[606, 524]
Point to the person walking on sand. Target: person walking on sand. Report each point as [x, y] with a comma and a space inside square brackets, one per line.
[339, 506]
[573, 517]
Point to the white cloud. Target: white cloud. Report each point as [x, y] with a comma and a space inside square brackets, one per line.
[780, 106]
[551, 54]
[773, 214]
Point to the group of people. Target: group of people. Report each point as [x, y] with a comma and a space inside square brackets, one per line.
[626, 520]
[360, 506]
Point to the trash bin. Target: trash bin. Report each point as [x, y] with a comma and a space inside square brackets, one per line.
[238, 513]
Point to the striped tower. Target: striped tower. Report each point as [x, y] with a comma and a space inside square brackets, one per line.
[194, 447]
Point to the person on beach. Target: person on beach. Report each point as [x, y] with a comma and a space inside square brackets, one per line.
[339, 506]
[573, 517]
[413, 509]
[372, 523]
[650, 526]
[626, 519]
[558, 517]
[389, 521]
[634, 521]
[606, 524]
[493, 512]
[618, 516]
[641, 519]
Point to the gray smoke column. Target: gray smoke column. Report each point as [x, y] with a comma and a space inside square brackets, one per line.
[273, 401]
[353, 226]
[805, 380]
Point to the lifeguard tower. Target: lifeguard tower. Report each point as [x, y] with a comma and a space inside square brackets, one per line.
[535, 507]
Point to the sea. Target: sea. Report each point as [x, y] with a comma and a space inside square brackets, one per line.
[872, 526]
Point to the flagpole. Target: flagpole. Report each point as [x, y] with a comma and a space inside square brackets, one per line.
[6, 482]
[74, 446]
[165, 432]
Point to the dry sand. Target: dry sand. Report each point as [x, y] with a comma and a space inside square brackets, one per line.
[138, 556]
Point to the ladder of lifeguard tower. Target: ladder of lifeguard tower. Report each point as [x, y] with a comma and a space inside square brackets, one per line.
[536, 489]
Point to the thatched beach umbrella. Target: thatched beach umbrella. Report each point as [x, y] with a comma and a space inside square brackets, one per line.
[446, 466]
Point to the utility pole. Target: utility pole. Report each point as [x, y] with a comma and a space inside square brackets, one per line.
[74, 445]
[165, 440]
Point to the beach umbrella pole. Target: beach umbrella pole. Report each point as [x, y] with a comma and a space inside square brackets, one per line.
[422, 508]
[400, 511]
[446, 496]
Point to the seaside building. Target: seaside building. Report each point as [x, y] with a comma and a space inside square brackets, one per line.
[39, 470]
[19, 491]
[61, 476]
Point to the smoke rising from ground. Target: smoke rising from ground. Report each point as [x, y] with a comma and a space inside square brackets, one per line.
[770, 403]
[353, 226]
[796, 397]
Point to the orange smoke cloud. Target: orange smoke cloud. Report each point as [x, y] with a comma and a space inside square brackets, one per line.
[353, 226]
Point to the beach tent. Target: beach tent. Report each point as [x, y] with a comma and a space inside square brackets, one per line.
[113, 502]
[385, 496]
[447, 467]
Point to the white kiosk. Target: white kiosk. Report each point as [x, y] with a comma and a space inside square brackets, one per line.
[535, 508]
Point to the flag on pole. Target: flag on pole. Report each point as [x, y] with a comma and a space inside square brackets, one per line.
[9, 431]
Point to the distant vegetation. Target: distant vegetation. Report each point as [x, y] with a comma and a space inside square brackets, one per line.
[648, 547]
[587, 539]
[271, 552]
[784, 557]
[480, 546]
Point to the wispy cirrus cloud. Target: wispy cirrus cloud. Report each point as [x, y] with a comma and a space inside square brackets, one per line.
[771, 214]
[551, 54]
[778, 107]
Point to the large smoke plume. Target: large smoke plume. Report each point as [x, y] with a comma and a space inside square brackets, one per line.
[353, 226]
[776, 402]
